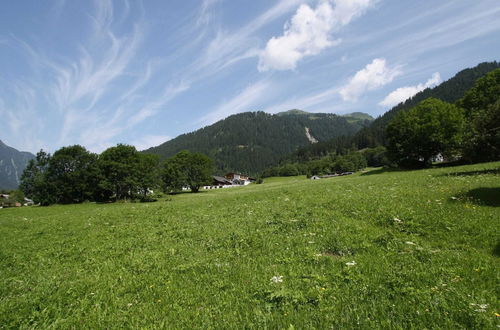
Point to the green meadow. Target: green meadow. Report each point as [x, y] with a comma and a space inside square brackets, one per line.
[379, 249]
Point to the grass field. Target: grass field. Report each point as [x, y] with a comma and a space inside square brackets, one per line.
[416, 249]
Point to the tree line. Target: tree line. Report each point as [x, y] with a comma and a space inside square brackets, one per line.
[74, 175]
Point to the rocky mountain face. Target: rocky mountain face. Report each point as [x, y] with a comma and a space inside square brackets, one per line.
[12, 165]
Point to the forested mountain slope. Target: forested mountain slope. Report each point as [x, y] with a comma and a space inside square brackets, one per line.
[12, 165]
[252, 141]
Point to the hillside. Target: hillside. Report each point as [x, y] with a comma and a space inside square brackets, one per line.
[380, 250]
[373, 134]
[448, 91]
[12, 165]
[249, 142]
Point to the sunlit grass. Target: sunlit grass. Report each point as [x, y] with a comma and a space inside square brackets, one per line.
[394, 249]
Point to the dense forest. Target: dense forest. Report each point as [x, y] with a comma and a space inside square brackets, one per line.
[252, 141]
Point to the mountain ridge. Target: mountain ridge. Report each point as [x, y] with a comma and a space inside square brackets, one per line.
[12, 164]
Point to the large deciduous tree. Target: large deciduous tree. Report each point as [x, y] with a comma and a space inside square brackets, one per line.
[148, 173]
[72, 173]
[119, 167]
[431, 128]
[187, 169]
[482, 107]
[34, 182]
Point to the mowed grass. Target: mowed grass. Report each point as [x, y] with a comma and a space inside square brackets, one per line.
[382, 249]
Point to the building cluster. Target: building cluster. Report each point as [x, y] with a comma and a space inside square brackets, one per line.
[6, 201]
[229, 180]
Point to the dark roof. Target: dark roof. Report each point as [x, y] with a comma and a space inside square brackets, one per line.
[221, 179]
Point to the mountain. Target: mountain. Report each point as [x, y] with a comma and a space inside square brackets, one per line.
[252, 141]
[12, 165]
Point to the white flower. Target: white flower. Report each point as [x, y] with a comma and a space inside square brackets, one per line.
[351, 263]
[409, 243]
[277, 279]
[397, 220]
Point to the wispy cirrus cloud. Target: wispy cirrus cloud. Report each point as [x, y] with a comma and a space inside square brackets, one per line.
[403, 93]
[374, 75]
[148, 141]
[248, 99]
[309, 32]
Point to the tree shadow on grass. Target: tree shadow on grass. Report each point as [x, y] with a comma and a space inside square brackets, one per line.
[496, 250]
[382, 170]
[473, 173]
[485, 196]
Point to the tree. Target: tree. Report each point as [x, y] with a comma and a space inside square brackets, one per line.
[119, 168]
[431, 128]
[148, 173]
[289, 170]
[34, 183]
[72, 171]
[187, 169]
[482, 142]
[486, 92]
[482, 107]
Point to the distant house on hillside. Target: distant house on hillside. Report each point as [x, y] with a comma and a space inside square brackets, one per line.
[219, 182]
[239, 179]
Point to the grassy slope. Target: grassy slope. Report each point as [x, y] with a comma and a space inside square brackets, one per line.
[206, 260]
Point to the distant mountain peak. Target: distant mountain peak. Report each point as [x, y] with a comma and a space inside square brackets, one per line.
[359, 115]
[293, 112]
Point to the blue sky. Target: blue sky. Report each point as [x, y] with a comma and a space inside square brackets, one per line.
[98, 73]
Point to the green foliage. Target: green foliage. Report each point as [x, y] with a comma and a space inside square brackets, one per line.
[329, 164]
[376, 157]
[119, 167]
[275, 256]
[482, 142]
[431, 128]
[288, 170]
[72, 174]
[486, 91]
[187, 169]
[482, 106]
[148, 174]
[34, 183]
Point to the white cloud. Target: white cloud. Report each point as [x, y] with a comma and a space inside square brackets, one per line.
[149, 141]
[403, 93]
[373, 76]
[309, 32]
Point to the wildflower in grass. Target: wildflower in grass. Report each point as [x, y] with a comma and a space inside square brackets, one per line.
[277, 279]
[351, 263]
[480, 308]
[409, 243]
[397, 220]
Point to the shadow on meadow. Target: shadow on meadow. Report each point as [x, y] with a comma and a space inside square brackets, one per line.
[382, 170]
[496, 250]
[473, 173]
[484, 196]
